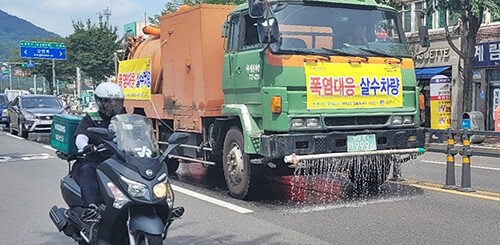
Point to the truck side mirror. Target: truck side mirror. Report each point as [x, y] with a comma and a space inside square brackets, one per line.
[423, 35]
[224, 29]
[256, 8]
[268, 25]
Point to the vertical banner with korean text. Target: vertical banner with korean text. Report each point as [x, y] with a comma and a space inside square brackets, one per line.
[337, 85]
[134, 76]
[440, 86]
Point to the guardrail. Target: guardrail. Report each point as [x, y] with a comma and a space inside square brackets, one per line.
[465, 151]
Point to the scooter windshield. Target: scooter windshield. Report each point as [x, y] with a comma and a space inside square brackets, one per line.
[134, 135]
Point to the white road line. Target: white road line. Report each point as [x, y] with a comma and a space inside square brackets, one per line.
[49, 147]
[211, 200]
[17, 137]
[459, 165]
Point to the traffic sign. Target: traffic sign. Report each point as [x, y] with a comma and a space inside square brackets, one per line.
[5, 72]
[42, 50]
[4, 77]
[30, 63]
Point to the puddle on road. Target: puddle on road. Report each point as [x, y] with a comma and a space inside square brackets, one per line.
[320, 187]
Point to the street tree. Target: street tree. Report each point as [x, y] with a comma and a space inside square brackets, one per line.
[64, 69]
[173, 5]
[470, 14]
[92, 47]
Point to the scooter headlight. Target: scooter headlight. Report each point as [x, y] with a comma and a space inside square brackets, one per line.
[136, 189]
[164, 189]
[120, 198]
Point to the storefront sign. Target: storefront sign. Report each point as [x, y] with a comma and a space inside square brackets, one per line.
[434, 54]
[440, 102]
[487, 54]
[353, 86]
[134, 76]
[496, 100]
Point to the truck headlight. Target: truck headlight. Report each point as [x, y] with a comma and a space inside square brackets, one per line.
[408, 120]
[136, 189]
[297, 123]
[120, 198]
[397, 120]
[312, 122]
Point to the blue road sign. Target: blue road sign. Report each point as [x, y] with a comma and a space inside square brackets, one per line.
[43, 53]
[4, 77]
[30, 63]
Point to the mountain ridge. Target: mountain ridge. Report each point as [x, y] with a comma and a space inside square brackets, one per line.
[14, 29]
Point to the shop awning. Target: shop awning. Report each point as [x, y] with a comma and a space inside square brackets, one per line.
[428, 73]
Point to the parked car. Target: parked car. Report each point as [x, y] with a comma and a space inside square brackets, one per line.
[33, 113]
[4, 102]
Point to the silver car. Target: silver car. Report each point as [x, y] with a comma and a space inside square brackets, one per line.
[33, 113]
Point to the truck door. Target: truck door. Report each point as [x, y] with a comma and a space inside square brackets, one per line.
[248, 63]
[228, 70]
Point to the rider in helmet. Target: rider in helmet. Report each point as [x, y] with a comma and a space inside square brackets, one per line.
[109, 98]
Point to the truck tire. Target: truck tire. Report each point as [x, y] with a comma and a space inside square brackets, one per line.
[236, 164]
[172, 165]
[367, 177]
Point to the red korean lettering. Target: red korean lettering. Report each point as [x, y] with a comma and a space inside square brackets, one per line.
[327, 86]
[315, 85]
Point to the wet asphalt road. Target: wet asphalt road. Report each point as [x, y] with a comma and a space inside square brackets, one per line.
[409, 212]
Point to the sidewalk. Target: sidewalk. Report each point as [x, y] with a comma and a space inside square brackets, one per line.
[491, 144]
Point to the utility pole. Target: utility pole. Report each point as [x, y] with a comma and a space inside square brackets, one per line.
[54, 76]
[43, 84]
[78, 84]
[10, 76]
[34, 83]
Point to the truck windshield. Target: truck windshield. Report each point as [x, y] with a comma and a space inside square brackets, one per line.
[339, 29]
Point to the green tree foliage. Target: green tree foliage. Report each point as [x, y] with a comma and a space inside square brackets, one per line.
[470, 14]
[92, 46]
[173, 5]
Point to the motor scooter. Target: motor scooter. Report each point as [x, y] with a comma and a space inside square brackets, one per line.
[136, 199]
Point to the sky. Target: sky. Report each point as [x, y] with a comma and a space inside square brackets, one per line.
[57, 15]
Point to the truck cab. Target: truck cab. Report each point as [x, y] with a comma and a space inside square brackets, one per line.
[320, 77]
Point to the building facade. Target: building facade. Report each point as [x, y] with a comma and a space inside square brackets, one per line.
[440, 58]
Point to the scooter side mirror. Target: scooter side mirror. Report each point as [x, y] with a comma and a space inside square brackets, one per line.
[178, 138]
[101, 133]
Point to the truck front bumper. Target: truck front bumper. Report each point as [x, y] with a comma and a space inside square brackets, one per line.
[280, 145]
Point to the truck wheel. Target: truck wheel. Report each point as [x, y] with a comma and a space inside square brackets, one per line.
[21, 132]
[236, 164]
[172, 165]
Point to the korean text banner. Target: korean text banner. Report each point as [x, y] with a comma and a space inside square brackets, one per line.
[335, 86]
[134, 76]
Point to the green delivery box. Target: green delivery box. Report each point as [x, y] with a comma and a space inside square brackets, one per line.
[62, 136]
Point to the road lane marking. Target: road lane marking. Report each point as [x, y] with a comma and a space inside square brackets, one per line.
[24, 157]
[212, 200]
[49, 147]
[16, 137]
[437, 185]
[459, 165]
[469, 194]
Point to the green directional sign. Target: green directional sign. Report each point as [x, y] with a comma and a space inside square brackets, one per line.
[5, 72]
[42, 45]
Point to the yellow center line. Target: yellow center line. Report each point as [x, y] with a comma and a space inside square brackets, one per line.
[438, 187]
[497, 199]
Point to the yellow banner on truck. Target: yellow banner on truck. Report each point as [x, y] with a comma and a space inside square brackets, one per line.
[134, 76]
[335, 86]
